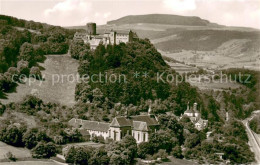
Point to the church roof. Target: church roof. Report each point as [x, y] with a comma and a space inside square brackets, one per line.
[123, 121]
[120, 122]
[140, 126]
[150, 120]
[141, 122]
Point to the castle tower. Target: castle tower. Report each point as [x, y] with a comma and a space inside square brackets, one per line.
[91, 28]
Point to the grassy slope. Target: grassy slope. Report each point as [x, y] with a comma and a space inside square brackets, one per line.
[62, 92]
[18, 152]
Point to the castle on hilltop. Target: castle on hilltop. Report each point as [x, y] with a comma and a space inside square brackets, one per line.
[112, 37]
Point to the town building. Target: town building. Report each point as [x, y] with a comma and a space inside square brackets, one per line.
[140, 127]
[195, 117]
[112, 37]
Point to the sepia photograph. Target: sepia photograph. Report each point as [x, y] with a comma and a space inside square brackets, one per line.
[129, 82]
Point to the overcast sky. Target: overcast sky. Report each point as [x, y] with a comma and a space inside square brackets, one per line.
[79, 12]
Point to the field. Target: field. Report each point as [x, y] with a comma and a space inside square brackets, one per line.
[18, 152]
[216, 60]
[58, 85]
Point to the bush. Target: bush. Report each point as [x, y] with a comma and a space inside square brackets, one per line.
[35, 72]
[10, 156]
[12, 135]
[143, 149]
[30, 138]
[2, 109]
[44, 150]
[161, 154]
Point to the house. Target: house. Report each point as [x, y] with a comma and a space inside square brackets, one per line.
[140, 127]
[201, 124]
[195, 117]
[94, 128]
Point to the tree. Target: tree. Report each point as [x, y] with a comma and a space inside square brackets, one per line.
[70, 156]
[192, 140]
[31, 104]
[177, 152]
[171, 123]
[30, 138]
[144, 149]
[123, 152]
[79, 155]
[44, 150]
[22, 67]
[82, 156]
[12, 135]
[162, 140]
[27, 53]
[35, 72]
[99, 157]
[2, 108]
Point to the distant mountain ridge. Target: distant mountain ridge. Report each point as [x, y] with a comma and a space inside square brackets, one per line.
[161, 19]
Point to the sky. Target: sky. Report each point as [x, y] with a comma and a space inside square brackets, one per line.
[78, 12]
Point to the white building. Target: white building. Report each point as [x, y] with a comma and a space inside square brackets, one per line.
[195, 117]
[140, 127]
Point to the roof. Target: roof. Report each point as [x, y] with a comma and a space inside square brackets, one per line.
[125, 32]
[145, 118]
[123, 121]
[120, 122]
[89, 125]
[202, 122]
[140, 126]
[141, 122]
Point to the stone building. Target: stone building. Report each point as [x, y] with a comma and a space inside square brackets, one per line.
[112, 37]
[140, 127]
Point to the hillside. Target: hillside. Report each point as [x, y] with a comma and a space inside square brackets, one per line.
[195, 41]
[160, 19]
[52, 89]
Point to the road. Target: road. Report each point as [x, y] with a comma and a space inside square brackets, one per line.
[254, 140]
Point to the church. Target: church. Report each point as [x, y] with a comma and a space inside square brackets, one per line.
[195, 117]
[140, 127]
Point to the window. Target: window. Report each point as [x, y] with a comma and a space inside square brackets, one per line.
[138, 137]
[144, 137]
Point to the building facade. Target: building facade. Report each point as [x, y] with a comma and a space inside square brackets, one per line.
[140, 127]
